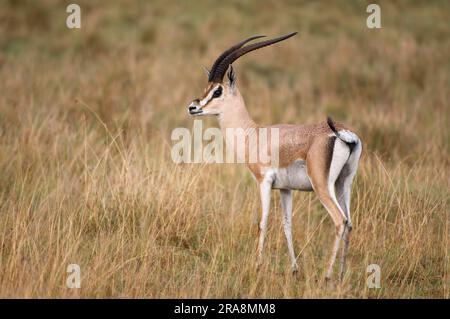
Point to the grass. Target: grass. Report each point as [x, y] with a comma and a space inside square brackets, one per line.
[86, 175]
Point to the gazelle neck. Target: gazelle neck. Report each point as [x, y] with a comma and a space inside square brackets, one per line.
[236, 115]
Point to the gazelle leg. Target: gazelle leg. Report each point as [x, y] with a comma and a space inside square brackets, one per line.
[343, 187]
[325, 161]
[338, 220]
[265, 187]
[346, 241]
[340, 227]
[343, 191]
[286, 205]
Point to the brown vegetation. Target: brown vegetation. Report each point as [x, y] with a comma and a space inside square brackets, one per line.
[86, 175]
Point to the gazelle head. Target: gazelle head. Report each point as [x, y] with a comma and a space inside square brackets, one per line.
[218, 96]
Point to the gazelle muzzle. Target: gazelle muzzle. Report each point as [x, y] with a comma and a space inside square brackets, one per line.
[194, 108]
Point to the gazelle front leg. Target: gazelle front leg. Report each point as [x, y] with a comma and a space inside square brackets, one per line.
[264, 187]
[286, 205]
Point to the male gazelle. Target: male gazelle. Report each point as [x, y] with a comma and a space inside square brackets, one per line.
[322, 157]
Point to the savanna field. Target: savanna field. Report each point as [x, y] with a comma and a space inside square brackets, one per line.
[86, 175]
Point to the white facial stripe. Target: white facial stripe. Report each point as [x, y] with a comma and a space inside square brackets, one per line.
[208, 97]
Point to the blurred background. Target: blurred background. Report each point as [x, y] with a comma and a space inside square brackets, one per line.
[85, 122]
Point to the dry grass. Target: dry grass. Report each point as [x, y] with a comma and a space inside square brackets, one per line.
[86, 175]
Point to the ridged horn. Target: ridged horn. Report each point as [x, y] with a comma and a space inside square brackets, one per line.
[227, 52]
[220, 67]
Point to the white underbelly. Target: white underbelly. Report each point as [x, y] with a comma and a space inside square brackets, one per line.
[292, 177]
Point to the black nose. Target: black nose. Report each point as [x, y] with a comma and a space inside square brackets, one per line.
[191, 108]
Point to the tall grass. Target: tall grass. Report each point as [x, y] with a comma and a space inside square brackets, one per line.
[86, 175]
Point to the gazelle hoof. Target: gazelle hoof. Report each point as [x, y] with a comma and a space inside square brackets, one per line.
[294, 270]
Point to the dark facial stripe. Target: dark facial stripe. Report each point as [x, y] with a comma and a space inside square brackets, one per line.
[206, 104]
[209, 90]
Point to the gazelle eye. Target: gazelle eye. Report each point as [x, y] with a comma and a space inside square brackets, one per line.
[217, 92]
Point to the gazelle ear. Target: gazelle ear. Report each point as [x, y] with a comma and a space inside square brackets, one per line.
[231, 76]
[208, 72]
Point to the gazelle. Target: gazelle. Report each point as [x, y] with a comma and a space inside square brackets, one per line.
[320, 157]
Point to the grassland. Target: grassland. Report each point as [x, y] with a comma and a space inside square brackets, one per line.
[85, 169]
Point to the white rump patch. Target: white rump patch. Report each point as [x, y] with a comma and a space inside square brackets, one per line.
[341, 153]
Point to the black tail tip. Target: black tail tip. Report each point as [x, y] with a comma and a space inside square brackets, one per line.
[331, 124]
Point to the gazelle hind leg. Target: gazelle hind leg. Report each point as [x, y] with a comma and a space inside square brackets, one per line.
[339, 223]
[343, 191]
[286, 205]
[343, 188]
[326, 158]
